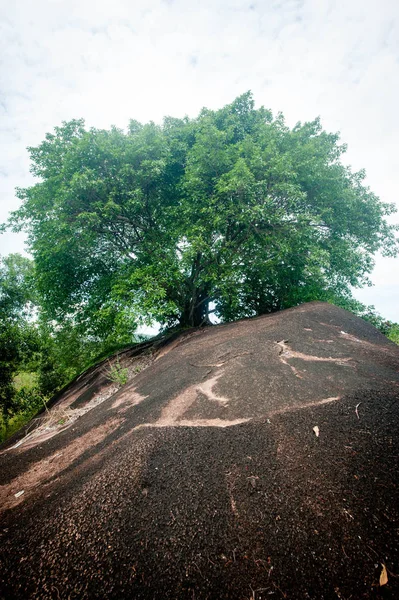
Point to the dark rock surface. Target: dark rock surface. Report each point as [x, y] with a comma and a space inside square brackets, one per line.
[247, 461]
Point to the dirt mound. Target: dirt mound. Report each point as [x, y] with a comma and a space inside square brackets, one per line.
[245, 461]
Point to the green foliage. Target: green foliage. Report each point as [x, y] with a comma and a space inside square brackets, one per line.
[25, 380]
[388, 328]
[30, 369]
[18, 336]
[28, 400]
[14, 423]
[231, 208]
[393, 333]
[17, 290]
[117, 374]
[369, 314]
[39, 356]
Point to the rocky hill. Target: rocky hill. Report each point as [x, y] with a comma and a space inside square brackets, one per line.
[252, 460]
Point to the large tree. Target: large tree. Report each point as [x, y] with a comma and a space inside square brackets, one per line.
[232, 209]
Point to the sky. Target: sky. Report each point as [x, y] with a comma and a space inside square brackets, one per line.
[112, 61]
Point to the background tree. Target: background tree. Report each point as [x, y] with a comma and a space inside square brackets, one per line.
[18, 337]
[231, 208]
[39, 356]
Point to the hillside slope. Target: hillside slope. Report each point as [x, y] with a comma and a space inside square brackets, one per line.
[252, 460]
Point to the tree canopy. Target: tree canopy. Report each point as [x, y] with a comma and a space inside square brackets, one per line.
[232, 211]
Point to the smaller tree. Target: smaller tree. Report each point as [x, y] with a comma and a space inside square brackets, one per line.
[18, 335]
[52, 353]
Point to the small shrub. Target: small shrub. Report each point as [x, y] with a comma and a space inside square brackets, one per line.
[117, 374]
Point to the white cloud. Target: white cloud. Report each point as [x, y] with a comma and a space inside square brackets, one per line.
[112, 61]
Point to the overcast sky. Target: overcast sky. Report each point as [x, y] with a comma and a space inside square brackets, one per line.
[110, 61]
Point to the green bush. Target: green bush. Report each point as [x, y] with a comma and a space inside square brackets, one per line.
[393, 333]
[117, 374]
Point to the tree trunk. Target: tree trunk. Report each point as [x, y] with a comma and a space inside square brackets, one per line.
[195, 313]
[196, 305]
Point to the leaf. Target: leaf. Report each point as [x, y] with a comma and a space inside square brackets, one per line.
[384, 575]
[316, 430]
